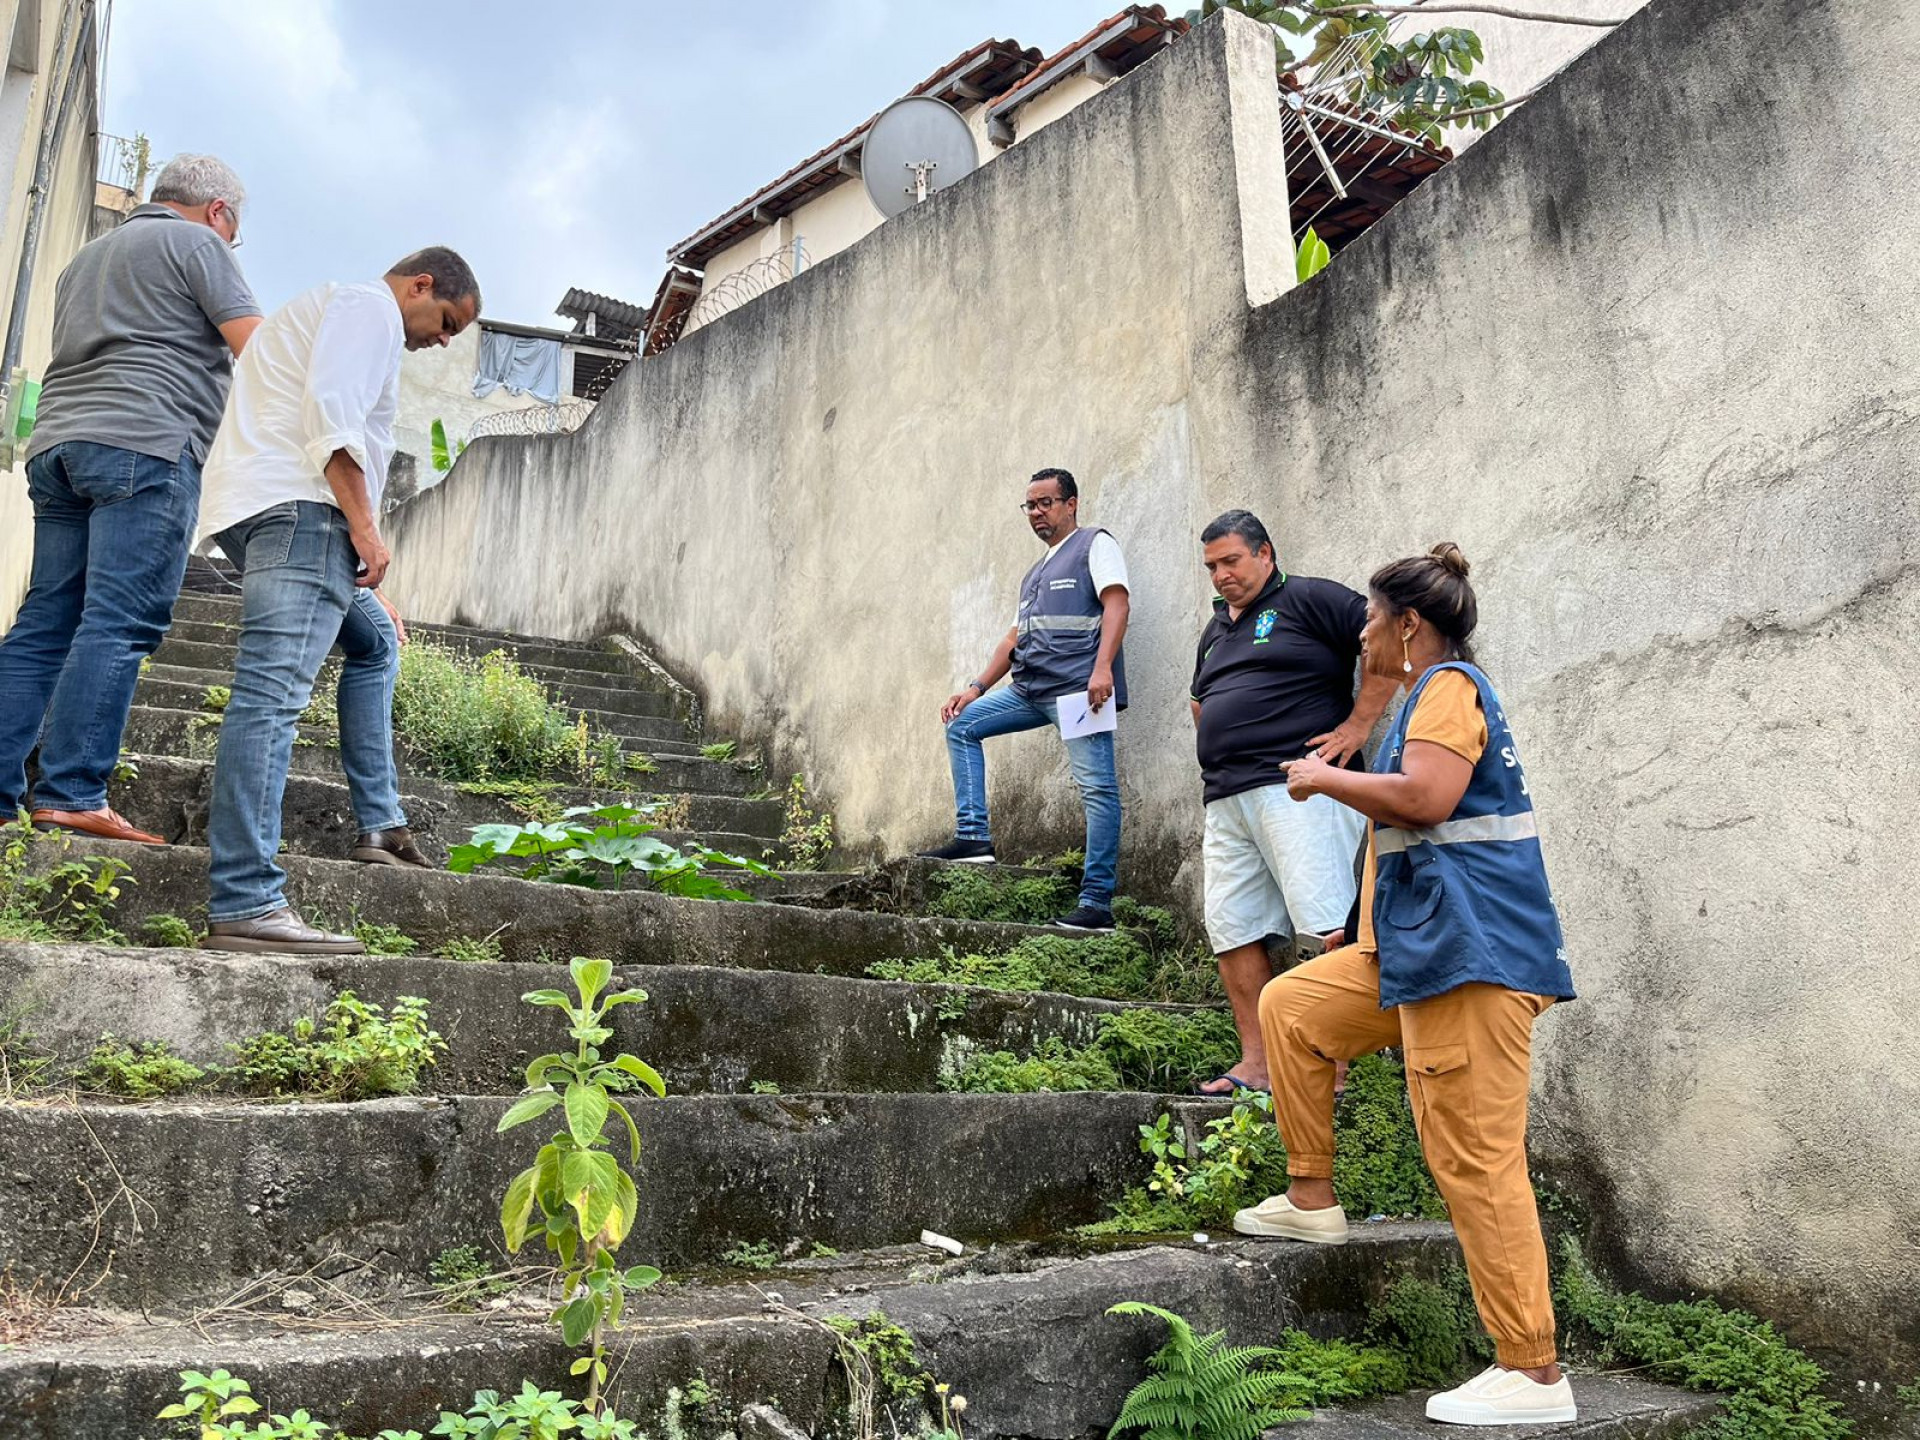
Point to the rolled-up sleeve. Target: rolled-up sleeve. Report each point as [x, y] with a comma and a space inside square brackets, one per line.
[353, 354]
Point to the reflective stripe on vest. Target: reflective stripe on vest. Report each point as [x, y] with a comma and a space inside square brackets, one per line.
[1476, 829]
[1060, 622]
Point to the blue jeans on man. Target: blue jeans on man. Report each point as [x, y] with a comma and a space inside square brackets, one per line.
[111, 532]
[298, 598]
[1003, 712]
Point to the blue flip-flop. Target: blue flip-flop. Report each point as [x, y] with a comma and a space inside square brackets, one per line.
[1232, 1079]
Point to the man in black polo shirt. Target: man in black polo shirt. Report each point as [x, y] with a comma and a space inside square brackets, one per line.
[1274, 679]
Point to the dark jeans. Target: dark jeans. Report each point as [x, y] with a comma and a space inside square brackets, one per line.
[297, 597]
[111, 531]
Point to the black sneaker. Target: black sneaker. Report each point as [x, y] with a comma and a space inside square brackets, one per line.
[962, 852]
[1086, 917]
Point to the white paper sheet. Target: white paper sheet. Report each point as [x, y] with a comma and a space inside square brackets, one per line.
[1078, 717]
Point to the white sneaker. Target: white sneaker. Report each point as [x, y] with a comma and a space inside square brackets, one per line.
[1504, 1397]
[1276, 1218]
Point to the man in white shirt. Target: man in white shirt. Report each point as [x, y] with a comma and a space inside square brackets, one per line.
[1064, 642]
[292, 493]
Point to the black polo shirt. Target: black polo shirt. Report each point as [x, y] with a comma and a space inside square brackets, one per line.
[1273, 679]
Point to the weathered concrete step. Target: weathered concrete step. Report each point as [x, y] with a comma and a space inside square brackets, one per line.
[582, 689]
[707, 1030]
[159, 730]
[541, 921]
[1021, 1332]
[586, 656]
[226, 1191]
[171, 797]
[1612, 1407]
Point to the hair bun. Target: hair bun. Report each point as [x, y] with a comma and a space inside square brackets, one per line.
[1452, 557]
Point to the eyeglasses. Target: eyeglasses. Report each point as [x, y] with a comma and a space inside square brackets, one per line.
[1040, 507]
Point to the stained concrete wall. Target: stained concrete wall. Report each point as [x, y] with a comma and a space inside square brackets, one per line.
[1645, 352]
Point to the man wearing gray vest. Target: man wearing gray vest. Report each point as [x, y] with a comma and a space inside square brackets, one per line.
[1065, 642]
[145, 322]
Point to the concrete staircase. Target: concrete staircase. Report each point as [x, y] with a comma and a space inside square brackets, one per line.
[290, 1243]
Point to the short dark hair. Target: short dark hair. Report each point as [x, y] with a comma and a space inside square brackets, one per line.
[1243, 523]
[452, 276]
[1435, 585]
[1068, 490]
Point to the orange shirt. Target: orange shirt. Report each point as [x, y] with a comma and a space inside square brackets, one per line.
[1448, 714]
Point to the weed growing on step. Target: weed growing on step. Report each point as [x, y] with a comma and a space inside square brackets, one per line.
[637, 764]
[603, 847]
[1134, 1050]
[1432, 1326]
[356, 1051]
[70, 900]
[806, 838]
[529, 799]
[763, 1087]
[1129, 964]
[468, 719]
[1241, 1160]
[384, 939]
[474, 950]
[587, 1204]
[1770, 1390]
[215, 1407]
[24, 1065]
[1201, 1388]
[820, 1250]
[979, 893]
[143, 1070]
[216, 698]
[464, 1278]
[1909, 1395]
[168, 932]
[750, 1255]
[718, 750]
[888, 1349]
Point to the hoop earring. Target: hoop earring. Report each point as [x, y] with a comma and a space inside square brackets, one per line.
[1406, 659]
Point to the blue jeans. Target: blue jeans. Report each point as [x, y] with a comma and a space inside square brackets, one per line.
[1002, 713]
[111, 531]
[297, 597]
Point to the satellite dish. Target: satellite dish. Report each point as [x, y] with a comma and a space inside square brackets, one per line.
[916, 146]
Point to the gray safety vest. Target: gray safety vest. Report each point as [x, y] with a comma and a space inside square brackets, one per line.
[1058, 635]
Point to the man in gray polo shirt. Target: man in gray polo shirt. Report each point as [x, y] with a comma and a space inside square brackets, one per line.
[146, 320]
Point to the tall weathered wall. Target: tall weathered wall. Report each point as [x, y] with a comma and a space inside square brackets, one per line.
[1645, 352]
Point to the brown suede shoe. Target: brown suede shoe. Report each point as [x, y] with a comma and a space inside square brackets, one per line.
[279, 932]
[106, 824]
[389, 847]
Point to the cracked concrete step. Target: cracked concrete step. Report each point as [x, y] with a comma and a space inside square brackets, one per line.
[162, 730]
[706, 1030]
[1021, 1330]
[581, 689]
[536, 921]
[170, 796]
[195, 1198]
[1612, 1407]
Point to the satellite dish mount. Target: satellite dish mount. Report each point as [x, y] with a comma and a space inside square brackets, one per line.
[925, 138]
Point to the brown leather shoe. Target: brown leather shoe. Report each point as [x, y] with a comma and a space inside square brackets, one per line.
[279, 932]
[389, 847]
[106, 824]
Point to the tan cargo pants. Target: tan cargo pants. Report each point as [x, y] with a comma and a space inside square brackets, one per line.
[1468, 1067]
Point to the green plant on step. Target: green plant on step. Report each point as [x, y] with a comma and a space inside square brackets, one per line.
[384, 939]
[584, 1202]
[215, 1407]
[638, 764]
[763, 1087]
[478, 719]
[1909, 1395]
[168, 932]
[718, 750]
[67, 900]
[143, 1070]
[750, 1255]
[463, 1277]
[126, 770]
[980, 893]
[1769, 1390]
[1134, 1050]
[888, 1348]
[603, 847]
[207, 1401]
[355, 1052]
[806, 837]
[474, 950]
[1128, 964]
[1052, 1065]
[1201, 1388]
[216, 697]
[24, 1065]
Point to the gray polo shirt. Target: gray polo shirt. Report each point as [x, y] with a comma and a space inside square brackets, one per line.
[138, 361]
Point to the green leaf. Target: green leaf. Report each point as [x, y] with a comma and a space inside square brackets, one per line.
[581, 1366]
[576, 1319]
[559, 999]
[626, 1207]
[1311, 257]
[537, 1069]
[640, 1276]
[442, 456]
[633, 1130]
[590, 976]
[643, 1072]
[529, 1107]
[516, 1208]
[623, 997]
[586, 1112]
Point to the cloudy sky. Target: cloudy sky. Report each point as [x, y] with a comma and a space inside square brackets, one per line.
[556, 144]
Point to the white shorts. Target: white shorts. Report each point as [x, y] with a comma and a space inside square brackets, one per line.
[1278, 866]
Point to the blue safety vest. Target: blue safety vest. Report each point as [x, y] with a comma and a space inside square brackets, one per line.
[1467, 899]
[1058, 635]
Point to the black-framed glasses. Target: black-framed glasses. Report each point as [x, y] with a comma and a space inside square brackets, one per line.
[1040, 506]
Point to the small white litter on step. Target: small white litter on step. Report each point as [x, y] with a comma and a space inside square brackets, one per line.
[941, 1242]
[1200, 1237]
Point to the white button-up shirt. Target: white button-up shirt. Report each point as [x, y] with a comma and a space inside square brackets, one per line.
[321, 374]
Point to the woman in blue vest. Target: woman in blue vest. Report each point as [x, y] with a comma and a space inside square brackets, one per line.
[1459, 952]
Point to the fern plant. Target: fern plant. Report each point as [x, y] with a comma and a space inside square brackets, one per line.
[1202, 1388]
